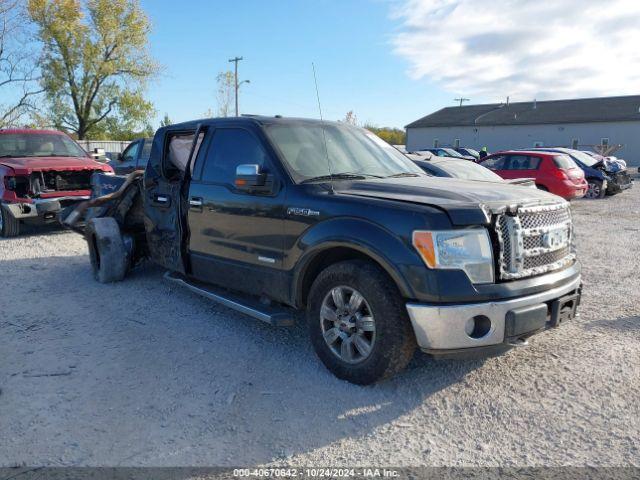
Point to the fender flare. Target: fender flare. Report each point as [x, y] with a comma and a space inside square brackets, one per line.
[367, 238]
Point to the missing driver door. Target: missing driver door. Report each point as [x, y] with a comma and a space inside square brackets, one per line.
[165, 207]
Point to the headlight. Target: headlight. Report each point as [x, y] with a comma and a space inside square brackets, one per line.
[466, 250]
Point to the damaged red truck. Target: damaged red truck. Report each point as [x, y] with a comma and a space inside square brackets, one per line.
[41, 172]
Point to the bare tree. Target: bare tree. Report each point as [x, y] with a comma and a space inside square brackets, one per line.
[18, 71]
[225, 93]
[351, 118]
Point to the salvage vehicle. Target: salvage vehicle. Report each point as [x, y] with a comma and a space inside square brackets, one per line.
[553, 172]
[464, 170]
[603, 179]
[41, 172]
[134, 157]
[271, 216]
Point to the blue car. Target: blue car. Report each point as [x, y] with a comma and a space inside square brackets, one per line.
[602, 179]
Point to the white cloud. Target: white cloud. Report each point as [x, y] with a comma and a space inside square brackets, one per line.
[526, 49]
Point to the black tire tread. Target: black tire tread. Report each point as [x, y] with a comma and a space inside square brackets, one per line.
[399, 342]
[110, 260]
[10, 224]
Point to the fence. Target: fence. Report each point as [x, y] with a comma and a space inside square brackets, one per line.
[109, 146]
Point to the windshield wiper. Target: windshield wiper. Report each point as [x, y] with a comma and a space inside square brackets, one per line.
[340, 176]
[403, 174]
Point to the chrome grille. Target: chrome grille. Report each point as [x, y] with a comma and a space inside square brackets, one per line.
[534, 241]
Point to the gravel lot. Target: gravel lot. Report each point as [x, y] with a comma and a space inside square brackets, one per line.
[143, 373]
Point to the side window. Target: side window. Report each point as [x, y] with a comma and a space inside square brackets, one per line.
[229, 148]
[146, 153]
[523, 162]
[130, 154]
[495, 163]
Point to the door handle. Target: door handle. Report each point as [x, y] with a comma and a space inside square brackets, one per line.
[161, 199]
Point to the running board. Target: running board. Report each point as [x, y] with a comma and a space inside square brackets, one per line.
[276, 316]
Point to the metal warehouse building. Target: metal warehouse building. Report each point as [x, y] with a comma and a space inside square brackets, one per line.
[581, 123]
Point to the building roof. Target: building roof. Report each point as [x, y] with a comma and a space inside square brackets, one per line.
[581, 110]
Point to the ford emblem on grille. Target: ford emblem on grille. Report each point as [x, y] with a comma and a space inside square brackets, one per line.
[534, 241]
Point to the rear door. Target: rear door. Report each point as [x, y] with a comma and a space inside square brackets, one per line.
[166, 180]
[521, 166]
[236, 237]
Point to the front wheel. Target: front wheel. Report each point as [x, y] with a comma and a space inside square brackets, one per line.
[595, 189]
[358, 323]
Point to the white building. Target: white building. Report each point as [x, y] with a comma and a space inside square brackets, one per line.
[586, 124]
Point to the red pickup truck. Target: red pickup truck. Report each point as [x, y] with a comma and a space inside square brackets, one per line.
[41, 172]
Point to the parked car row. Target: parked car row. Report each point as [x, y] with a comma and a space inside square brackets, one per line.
[565, 172]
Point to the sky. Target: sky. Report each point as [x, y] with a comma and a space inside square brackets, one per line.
[390, 61]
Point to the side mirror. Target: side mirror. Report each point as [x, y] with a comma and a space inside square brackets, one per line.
[249, 178]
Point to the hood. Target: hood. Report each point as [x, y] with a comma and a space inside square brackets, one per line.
[466, 202]
[27, 165]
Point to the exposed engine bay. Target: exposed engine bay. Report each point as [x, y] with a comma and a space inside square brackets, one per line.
[37, 183]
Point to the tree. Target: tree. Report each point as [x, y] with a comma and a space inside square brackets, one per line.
[166, 121]
[393, 136]
[351, 118]
[225, 92]
[18, 82]
[95, 63]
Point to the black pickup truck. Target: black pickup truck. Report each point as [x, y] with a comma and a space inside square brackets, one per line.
[271, 216]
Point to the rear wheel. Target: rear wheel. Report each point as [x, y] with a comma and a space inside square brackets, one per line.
[9, 225]
[594, 189]
[110, 258]
[358, 323]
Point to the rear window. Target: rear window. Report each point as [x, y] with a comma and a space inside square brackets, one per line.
[564, 162]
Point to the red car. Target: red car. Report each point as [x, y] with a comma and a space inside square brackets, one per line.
[41, 172]
[554, 172]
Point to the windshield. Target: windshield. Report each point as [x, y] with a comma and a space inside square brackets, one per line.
[350, 150]
[469, 171]
[38, 145]
[588, 160]
[452, 153]
[472, 152]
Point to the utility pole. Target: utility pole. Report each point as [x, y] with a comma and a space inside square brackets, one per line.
[236, 60]
[461, 99]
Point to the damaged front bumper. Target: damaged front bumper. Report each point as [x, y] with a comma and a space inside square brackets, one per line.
[480, 329]
[45, 208]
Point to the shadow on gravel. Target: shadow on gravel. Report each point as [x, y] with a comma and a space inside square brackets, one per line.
[46, 230]
[177, 380]
[622, 324]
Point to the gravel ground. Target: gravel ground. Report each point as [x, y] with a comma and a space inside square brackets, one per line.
[142, 373]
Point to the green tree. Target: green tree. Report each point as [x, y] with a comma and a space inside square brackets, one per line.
[393, 136]
[95, 63]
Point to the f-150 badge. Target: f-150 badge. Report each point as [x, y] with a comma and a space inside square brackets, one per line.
[305, 212]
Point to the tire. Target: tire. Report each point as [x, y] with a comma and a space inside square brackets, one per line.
[594, 189]
[391, 342]
[542, 187]
[9, 225]
[110, 258]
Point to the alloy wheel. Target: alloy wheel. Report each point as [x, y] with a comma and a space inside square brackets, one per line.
[347, 324]
[593, 191]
